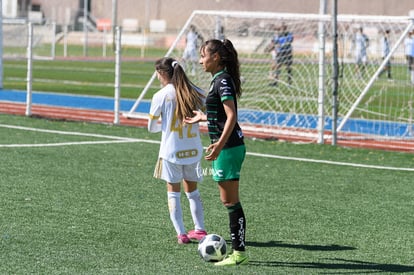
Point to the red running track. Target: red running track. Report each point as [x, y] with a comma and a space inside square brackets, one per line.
[107, 117]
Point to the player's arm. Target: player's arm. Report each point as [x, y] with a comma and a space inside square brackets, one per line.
[153, 125]
[231, 114]
[155, 114]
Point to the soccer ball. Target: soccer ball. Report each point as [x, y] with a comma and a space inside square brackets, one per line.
[212, 248]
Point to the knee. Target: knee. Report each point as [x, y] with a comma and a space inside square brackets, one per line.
[228, 204]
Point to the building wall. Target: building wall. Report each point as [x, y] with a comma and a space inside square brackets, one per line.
[176, 12]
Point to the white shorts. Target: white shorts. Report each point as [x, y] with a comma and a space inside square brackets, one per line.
[175, 173]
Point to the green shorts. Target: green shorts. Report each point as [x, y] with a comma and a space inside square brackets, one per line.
[228, 164]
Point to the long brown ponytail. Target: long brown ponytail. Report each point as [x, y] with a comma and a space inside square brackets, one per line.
[188, 98]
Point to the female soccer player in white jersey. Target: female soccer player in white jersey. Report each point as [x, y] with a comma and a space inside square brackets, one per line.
[181, 149]
[227, 149]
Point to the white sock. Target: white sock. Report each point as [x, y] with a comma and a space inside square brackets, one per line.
[176, 213]
[412, 76]
[196, 208]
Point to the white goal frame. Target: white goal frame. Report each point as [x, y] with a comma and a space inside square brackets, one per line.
[320, 133]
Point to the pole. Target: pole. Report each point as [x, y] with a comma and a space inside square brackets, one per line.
[29, 70]
[335, 70]
[65, 41]
[146, 26]
[104, 42]
[85, 27]
[374, 77]
[1, 46]
[53, 50]
[154, 75]
[321, 85]
[114, 22]
[117, 75]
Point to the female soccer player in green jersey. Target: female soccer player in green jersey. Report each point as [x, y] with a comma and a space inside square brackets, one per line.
[227, 149]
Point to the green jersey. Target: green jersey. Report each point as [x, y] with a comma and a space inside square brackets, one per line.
[221, 89]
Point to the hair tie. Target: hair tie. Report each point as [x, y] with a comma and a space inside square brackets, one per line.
[174, 63]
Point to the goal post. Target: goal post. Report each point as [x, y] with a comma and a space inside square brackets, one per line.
[213, 24]
[374, 77]
[298, 104]
[154, 75]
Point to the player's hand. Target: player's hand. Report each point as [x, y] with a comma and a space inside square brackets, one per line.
[198, 116]
[213, 151]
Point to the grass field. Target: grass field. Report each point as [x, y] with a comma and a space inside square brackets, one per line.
[79, 198]
[79, 77]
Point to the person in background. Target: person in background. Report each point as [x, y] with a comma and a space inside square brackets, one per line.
[190, 55]
[408, 44]
[227, 150]
[386, 48]
[360, 45]
[412, 60]
[409, 54]
[181, 149]
[271, 48]
[282, 42]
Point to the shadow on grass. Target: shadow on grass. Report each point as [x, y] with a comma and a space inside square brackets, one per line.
[347, 266]
[332, 247]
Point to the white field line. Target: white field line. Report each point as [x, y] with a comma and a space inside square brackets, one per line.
[333, 162]
[117, 139]
[65, 143]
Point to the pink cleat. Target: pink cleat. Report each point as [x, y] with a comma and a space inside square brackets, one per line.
[196, 234]
[183, 239]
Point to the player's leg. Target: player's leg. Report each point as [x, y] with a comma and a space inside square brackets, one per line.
[383, 70]
[176, 213]
[172, 174]
[194, 61]
[358, 61]
[412, 75]
[184, 60]
[229, 194]
[289, 63]
[363, 65]
[192, 175]
[408, 58]
[278, 66]
[389, 69]
[273, 65]
[229, 163]
[412, 69]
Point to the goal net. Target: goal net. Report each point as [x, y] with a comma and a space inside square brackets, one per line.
[16, 35]
[372, 104]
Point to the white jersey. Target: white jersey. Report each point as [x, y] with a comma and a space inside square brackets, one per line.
[180, 144]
